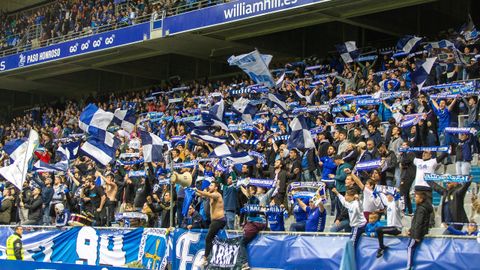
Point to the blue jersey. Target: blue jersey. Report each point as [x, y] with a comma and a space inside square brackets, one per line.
[276, 220]
[443, 118]
[299, 214]
[316, 220]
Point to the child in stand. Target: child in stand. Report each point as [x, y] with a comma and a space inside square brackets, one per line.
[355, 213]
[395, 205]
[372, 225]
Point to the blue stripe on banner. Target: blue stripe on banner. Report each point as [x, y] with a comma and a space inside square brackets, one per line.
[446, 178]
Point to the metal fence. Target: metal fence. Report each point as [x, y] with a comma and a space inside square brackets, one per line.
[36, 43]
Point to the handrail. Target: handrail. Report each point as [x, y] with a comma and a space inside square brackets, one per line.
[240, 231]
[88, 31]
[171, 11]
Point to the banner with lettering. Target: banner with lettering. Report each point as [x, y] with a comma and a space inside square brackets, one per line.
[226, 254]
[89, 246]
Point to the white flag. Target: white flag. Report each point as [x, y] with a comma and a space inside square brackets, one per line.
[15, 173]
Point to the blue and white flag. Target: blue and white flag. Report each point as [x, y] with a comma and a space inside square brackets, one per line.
[15, 148]
[279, 101]
[61, 166]
[348, 51]
[125, 119]
[69, 150]
[243, 107]
[15, 173]
[208, 121]
[218, 110]
[209, 138]
[98, 150]
[468, 30]
[152, 147]
[234, 157]
[420, 75]
[95, 122]
[442, 44]
[300, 137]
[408, 43]
[256, 67]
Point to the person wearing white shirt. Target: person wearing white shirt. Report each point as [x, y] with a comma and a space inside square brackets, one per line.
[355, 213]
[426, 164]
[395, 204]
[370, 203]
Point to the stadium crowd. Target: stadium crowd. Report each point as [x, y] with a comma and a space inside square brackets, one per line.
[67, 17]
[360, 115]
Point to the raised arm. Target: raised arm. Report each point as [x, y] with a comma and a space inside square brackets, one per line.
[357, 181]
[245, 191]
[435, 104]
[302, 204]
[450, 107]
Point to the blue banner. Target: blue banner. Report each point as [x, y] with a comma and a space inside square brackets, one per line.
[26, 265]
[94, 43]
[229, 12]
[109, 248]
[313, 252]
[89, 246]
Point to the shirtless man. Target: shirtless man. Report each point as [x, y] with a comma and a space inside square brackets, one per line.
[217, 216]
[111, 189]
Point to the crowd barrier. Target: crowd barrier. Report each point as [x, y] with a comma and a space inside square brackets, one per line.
[155, 248]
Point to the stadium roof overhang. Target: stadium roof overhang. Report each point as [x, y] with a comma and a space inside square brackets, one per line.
[13, 5]
[345, 11]
[209, 43]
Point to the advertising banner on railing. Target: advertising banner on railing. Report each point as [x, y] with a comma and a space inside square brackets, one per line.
[93, 43]
[152, 249]
[86, 245]
[229, 12]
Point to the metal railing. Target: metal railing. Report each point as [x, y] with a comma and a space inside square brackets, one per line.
[42, 227]
[88, 31]
[36, 43]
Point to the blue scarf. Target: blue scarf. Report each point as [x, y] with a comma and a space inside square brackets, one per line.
[265, 183]
[446, 178]
[258, 155]
[368, 165]
[425, 148]
[347, 120]
[460, 130]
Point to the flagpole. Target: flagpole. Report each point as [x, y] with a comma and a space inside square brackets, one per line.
[171, 188]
